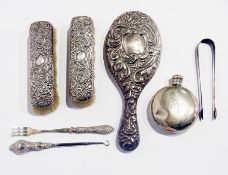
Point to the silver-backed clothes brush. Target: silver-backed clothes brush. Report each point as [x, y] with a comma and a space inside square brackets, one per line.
[210, 43]
[22, 146]
[27, 131]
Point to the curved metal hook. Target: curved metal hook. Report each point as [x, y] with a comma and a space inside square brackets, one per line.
[210, 43]
[106, 143]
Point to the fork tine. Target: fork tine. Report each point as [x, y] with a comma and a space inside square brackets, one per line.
[19, 128]
[22, 128]
[15, 133]
[19, 131]
[19, 134]
[15, 129]
[23, 134]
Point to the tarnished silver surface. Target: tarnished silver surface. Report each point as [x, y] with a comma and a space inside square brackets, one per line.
[81, 60]
[132, 50]
[27, 131]
[21, 147]
[41, 64]
[174, 107]
[102, 129]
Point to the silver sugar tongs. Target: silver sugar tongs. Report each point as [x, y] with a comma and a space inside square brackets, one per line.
[210, 43]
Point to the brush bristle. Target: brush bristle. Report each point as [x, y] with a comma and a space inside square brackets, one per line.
[85, 103]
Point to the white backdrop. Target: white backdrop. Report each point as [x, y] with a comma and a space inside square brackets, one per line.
[203, 149]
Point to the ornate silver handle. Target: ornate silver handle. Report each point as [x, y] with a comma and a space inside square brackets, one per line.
[128, 136]
[22, 146]
[102, 129]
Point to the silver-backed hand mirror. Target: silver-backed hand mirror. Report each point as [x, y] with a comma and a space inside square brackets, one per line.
[132, 50]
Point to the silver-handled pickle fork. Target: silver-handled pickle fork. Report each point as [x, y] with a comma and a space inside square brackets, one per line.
[27, 131]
